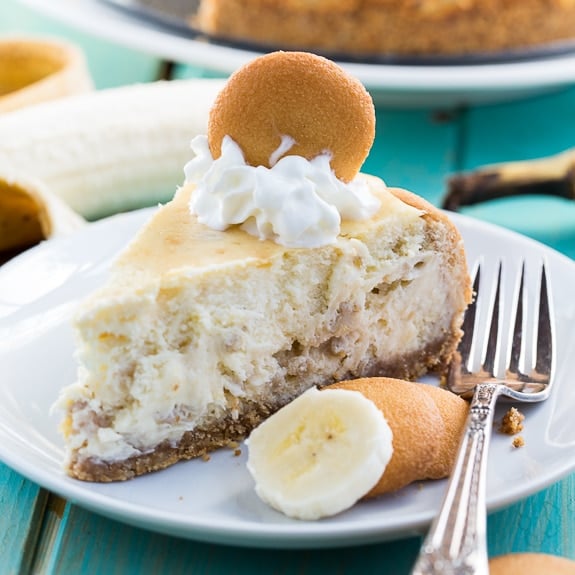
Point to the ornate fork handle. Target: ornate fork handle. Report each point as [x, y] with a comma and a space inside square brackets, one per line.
[456, 543]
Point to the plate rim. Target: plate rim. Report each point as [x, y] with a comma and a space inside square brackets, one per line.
[278, 535]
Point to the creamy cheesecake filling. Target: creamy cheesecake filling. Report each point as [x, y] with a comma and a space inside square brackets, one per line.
[176, 353]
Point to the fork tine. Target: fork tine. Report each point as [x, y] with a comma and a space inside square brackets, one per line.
[491, 349]
[468, 326]
[517, 327]
[544, 329]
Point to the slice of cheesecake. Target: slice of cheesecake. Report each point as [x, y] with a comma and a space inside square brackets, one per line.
[200, 334]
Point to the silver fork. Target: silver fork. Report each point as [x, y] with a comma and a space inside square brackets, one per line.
[456, 543]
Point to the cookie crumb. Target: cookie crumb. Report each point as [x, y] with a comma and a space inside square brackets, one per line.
[518, 442]
[206, 457]
[512, 422]
[237, 452]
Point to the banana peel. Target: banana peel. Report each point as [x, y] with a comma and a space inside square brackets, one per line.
[31, 213]
[552, 175]
[34, 70]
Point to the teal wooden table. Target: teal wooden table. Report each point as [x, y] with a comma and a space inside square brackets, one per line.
[414, 148]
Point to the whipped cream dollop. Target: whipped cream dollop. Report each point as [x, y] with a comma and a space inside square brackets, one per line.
[296, 203]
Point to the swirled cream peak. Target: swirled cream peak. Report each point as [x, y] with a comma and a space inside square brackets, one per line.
[296, 203]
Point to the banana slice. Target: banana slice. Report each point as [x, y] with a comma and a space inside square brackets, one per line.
[319, 454]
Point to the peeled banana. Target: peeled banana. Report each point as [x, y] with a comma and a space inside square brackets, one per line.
[111, 150]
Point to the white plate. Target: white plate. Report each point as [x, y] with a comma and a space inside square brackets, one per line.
[389, 84]
[215, 501]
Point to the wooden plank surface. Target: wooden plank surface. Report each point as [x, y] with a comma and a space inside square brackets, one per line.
[88, 543]
[92, 544]
[524, 130]
[544, 522]
[22, 506]
[415, 149]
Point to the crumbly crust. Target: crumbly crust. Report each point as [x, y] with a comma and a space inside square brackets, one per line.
[392, 27]
[518, 442]
[512, 422]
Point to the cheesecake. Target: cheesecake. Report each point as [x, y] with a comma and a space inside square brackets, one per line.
[252, 285]
[394, 29]
[201, 334]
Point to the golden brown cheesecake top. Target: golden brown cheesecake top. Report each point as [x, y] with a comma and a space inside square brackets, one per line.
[175, 238]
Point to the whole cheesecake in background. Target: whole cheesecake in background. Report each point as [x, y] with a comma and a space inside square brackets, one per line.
[397, 28]
[261, 280]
